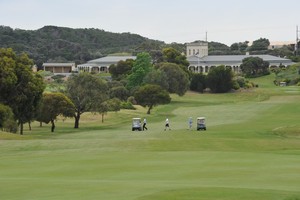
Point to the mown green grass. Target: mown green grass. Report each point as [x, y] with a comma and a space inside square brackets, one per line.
[250, 150]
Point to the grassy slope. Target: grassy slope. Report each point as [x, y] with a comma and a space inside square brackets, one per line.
[250, 151]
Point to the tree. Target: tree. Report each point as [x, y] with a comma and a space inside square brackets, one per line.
[171, 55]
[113, 104]
[157, 77]
[7, 122]
[21, 89]
[260, 44]
[254, 67]
[121, 69]
[119, 92]
[8, 78]
[219, 79]
[177, 79]
[141, 67]
[87, 92]
[198, 82]
[239, 47]
[151, 95]
[53, 105]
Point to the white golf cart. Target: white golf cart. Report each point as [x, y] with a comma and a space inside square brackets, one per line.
[201, 123]
[136, 124]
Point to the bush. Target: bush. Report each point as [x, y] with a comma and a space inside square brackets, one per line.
[127, 105]
[7, 121]
[132, 100]
[10, 126]
[235, 85]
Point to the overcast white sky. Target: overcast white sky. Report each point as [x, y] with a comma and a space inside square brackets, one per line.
[225, 21]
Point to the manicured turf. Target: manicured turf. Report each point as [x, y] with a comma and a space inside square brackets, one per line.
[251, 150]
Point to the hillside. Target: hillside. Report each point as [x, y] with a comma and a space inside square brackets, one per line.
[61, 44]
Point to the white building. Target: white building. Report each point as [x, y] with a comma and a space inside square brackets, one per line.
[101, 65]
[202, 62]
[60, 68]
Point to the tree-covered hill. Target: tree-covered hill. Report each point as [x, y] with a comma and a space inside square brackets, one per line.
[61, 44]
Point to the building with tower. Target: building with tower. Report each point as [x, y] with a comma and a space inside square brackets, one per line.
[201, 62]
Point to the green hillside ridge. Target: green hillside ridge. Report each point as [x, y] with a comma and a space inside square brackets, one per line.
[62, 44]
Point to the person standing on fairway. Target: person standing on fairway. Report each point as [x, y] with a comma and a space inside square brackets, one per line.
[190, 123]
[167, 125]
[144, 124]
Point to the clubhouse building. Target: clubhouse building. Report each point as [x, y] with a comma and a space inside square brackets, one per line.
[196, 53]
[201, 62]
[101, 65]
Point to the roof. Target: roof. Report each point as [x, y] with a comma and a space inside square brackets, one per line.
[111, 59]
[235, 59]
[58, 64]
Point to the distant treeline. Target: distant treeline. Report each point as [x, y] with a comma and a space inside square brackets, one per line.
[60, 44]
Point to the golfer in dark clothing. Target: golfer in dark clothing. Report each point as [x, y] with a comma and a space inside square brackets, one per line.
[144, 124]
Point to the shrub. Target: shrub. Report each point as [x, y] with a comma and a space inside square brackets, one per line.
[132, 100]
[235, 85]
[10, 126]
[127, 105]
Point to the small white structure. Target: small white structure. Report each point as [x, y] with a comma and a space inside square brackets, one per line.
[282, 84]
[60, 68]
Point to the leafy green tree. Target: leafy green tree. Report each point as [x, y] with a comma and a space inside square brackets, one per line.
[103, 109]
[157, 77]
[254, 67]
[217, 48]
[198, 82]
[87, 92]
[171, 55]
[178, 80]
[113, 104]
[239, 47]
[7, 121]
[21, 89]
[53, 105]
[119, 92]
[8, 78]
[219, 79]
[141, 67]
[260, 44]
[121, 69]
[151, 95]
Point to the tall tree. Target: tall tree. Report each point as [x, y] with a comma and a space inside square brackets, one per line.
[7, 122]
[157, 77]
[121, 69]
[178, 80]
[141, 67]
[171, 55]
[219, 79]
[53, 105]
[22, 89]
[198, 82]
[254, 67]
[87, 92]
[151, 95]
[260, 44]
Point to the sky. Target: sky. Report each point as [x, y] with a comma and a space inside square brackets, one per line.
[180, 21]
